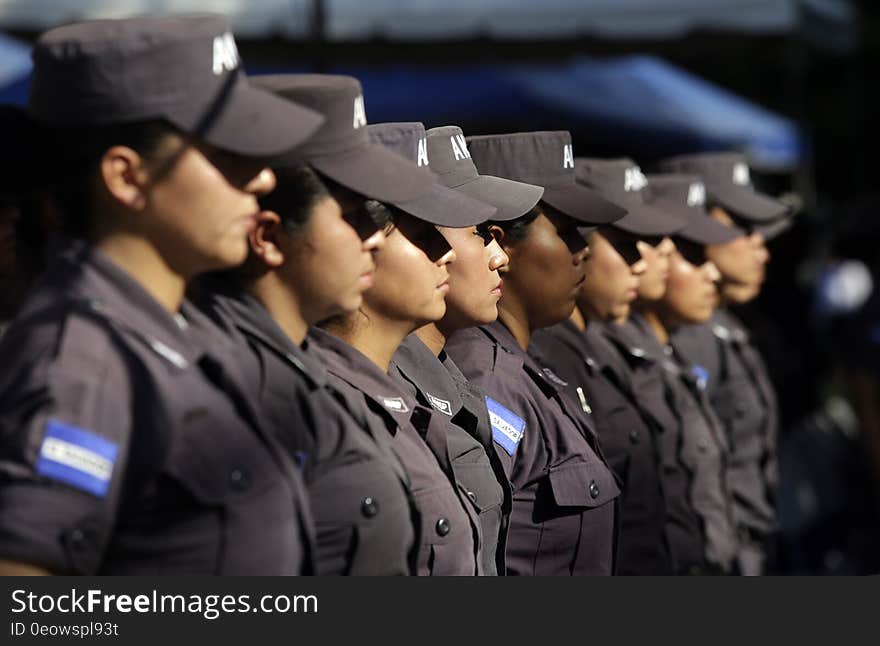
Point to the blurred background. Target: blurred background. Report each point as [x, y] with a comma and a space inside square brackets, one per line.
[787, 82]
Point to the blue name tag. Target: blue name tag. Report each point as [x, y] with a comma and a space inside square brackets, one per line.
[507, 427]
[77, 457]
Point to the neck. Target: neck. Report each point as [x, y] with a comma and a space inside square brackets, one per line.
[515, 320]
[580, 321]
[282, 305]
[143, 262]
[655, 322]
[375, 337]
[433, 337]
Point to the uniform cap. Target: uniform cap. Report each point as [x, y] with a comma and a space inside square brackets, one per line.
[341, 148]
[728, 183]
[451, 160]
[440, 205]
[622, 182]
[545, 159]
[685, 197]
[184, 69]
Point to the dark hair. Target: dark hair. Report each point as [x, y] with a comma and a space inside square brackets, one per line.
[516, 230]
[297, 191]
[73, 154]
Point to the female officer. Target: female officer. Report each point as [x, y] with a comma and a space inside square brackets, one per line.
[739, 386]
[130, 446]
[671, 387]
[410, 283]
[650, 539]
[311, 258]
[474, 290]
[563, 516]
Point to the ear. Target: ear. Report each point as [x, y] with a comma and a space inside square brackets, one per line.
[124, 174]
[266, 239]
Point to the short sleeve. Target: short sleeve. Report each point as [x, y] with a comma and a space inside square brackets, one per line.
[64, 437]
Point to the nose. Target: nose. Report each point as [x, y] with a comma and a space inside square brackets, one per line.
[447, 259]
[711, 272]
[578, 258]
[638, 267]
[498, 260]
[263, 182]
[375, 242]
[666, 246]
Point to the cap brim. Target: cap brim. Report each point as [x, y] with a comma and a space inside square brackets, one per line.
[510, 198]
[582, 204]
[704, 230]
[775, 229]
[645, 220]
[250, 121]
[376, 172]
[745, 203]
[447, 208]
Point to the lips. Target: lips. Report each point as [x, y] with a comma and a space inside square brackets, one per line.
[498, 288]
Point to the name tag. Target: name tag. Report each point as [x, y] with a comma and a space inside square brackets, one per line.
[394, 404]
[507, 427]
[701, 375]
[77, 457]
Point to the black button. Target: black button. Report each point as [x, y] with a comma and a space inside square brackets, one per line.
[703, 446]
[77, 539]
[443, 527]
[369, 507]
[238, 480]
[634, 436]
[472, 496]
[594, 489]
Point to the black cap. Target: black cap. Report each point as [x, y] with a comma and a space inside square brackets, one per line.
[440, 205]
[728, 183]
[185, 70]
[623, 183]
[685, 197]
[776, 228]
[341, 149]
[545, 159]
[451, 160]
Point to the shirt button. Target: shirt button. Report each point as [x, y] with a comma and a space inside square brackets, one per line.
[369, 507]
[703, 446]
[443, 527]
[238, 479]
[634, 436]
[594, 489]
[472, 496]
[77, 539]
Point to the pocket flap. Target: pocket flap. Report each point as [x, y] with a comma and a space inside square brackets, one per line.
[582, 484]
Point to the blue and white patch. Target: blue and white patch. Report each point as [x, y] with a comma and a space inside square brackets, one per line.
[507, 427]
[701, 375]
[442, 405]
[77, 457]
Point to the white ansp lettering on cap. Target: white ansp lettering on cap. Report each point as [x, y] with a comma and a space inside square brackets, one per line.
[422, 152]
[696, 194]
[225, 54]
[567, 156]
[741, 174]
[360, 113]
[459, 147]
[634, 179]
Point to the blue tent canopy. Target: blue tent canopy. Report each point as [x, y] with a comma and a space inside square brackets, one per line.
[638, 105]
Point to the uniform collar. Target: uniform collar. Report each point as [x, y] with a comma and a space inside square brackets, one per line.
[352, 366]
[111, 293]
[727, 328]
[420, 367]
[254, 321]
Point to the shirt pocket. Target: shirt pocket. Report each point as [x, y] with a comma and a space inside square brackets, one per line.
[586, 484]
[363, 520]
[446, 545]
